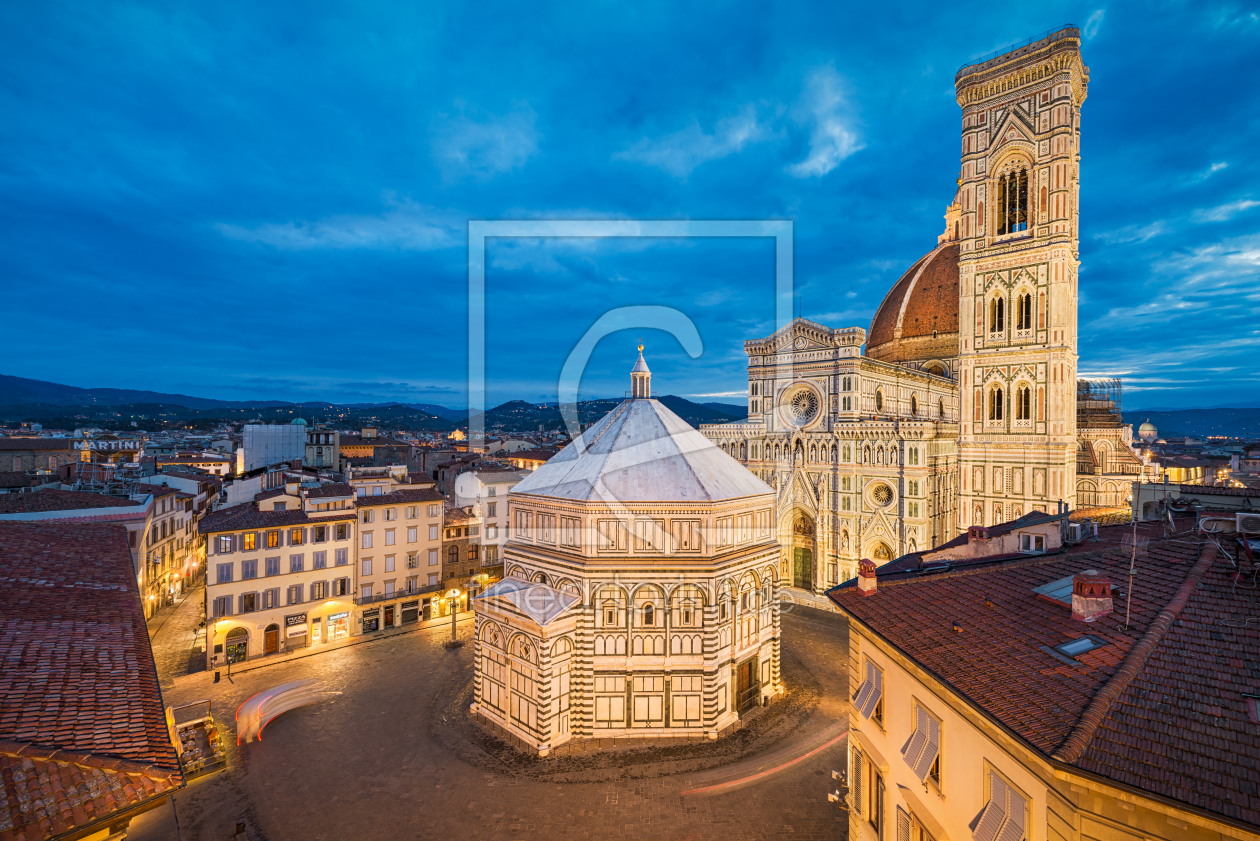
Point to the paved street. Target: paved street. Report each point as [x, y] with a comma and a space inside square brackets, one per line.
[391, 756]
[174, 635]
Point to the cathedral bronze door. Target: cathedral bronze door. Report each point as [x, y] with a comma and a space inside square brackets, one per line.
[747, 687]
[802, 568]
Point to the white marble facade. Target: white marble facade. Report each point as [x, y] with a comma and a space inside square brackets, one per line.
[641, 589]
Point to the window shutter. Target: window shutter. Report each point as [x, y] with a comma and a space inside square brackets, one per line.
[240, 603]
[864, 691]
[991, 818]
[855, 781]
[879, 805]
[903, 825]
[914, 747]
[930, 750]
[1013, 829]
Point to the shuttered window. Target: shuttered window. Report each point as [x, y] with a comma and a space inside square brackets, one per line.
[925, 743]
[856, 767]
[1003, 816]
[871, 690]
[903, 825]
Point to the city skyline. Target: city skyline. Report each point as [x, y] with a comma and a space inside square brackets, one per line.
[148, 162]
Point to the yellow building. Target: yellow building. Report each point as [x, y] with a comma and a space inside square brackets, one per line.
[280, 572]
[399, 557]
[1023, 699]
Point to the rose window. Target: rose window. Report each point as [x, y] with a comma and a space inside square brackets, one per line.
[801, 406]
[882, 494]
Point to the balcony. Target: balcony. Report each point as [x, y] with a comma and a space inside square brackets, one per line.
[400, 594]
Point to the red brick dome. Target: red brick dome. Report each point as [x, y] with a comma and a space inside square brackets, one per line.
[918, 319]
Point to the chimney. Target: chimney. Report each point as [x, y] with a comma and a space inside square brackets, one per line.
[1091, 595]
[977, 534]
[291, 487]
[866, 577]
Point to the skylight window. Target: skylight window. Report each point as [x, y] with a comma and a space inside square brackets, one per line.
[1080, 646]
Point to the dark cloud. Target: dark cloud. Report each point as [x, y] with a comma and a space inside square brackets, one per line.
[276, 202]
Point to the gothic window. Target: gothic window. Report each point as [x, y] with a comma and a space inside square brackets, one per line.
[1023, 312]
[940, 409]
[997, 315]
[995, 404]
[649, 616]
[1023, 404]
[914, 405]
[879, 399]
[846, 452]
[1012, 192]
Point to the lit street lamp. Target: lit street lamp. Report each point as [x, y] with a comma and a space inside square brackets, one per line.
[453, 595]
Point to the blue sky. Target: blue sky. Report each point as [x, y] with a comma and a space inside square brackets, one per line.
[271, 200]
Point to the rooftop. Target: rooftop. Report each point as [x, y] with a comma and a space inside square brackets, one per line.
[52, 500]
[247, 516]
[1160, 706]
[642, 452]
[79, 696]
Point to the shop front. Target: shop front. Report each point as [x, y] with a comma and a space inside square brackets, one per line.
[237, 645]
[295, 632]
[338, 626]
[371, 620]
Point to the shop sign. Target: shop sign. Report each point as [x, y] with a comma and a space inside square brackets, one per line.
[367, 614]
[295, 619]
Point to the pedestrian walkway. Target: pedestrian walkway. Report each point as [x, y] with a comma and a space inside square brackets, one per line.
[173, 634]
[791, 596]
[441, 623]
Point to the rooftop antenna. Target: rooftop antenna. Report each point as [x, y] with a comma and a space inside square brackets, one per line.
[1128, 594]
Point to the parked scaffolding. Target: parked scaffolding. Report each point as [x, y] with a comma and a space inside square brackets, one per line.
[1098, 403]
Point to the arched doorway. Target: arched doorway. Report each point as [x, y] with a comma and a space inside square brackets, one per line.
[237, 646]
[271, 639]
[803, 534]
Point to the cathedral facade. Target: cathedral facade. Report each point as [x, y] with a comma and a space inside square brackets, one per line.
[959, 407]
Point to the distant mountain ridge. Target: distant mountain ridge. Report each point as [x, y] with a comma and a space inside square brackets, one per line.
[22, 397]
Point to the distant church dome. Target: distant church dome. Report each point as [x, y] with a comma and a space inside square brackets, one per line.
[918, 320]
[298, 422]
[1147, 431]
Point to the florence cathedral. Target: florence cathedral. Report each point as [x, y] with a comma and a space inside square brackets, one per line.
[960, 405]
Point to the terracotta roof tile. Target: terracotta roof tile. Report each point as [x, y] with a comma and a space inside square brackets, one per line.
[53, 500]
[1178, 727]
[79, 699]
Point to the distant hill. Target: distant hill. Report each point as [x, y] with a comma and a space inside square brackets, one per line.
[735, 410]
[18, 390]
[1199, 423]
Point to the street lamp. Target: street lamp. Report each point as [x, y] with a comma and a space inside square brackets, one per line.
[453, 595]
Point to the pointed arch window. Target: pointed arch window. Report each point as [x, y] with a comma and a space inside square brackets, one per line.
[1024, 312]
[1023, 404]
[995, 403]
[997, 315]
[1012, 190]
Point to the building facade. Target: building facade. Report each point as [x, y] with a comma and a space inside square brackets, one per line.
[280, 572]
[642, 590]
[399, 565]
[861, 452]
[971, 358]
[486, 490]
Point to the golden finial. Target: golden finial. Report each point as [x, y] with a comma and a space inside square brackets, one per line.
[640, 346]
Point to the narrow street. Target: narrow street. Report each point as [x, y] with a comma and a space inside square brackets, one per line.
[177, 637]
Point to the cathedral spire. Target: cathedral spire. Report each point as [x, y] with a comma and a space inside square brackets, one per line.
[640, 378]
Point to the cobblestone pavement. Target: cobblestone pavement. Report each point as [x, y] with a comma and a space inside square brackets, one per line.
[376, 761]
[175, 635]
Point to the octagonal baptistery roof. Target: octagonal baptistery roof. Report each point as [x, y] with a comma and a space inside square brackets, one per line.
[918, 319]
[642, 452]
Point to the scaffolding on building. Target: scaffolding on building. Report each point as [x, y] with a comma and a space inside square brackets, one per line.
[1098, 403]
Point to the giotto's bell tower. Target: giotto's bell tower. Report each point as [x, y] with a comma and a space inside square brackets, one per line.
[1018, 237]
